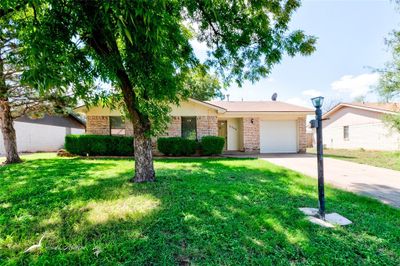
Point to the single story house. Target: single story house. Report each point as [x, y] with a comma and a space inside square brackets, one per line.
[360, 125]
[254, 127]
[44, 134]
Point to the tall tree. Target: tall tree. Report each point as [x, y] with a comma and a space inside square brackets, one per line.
[203, 86]
[18, 99]
[142, 48]
[389, 82]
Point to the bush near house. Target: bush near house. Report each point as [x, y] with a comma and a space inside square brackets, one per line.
[211, 145]
[177, 146]
[99, 145]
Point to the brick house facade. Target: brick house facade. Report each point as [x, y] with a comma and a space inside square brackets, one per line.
[98, 125]
[251, 134]
[301, 124]
[242, 130]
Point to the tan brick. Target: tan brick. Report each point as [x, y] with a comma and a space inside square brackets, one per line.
[206, 126]
[98, 125]
[301, 129]
[251, 134]
[173, 128]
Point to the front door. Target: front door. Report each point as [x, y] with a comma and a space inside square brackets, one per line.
[222, 131]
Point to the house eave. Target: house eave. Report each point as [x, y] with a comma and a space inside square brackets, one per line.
[262, 113]
[208, 105]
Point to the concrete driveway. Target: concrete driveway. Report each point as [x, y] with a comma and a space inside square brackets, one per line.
[382, 184]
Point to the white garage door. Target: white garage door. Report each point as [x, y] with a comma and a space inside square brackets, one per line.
[278, 136]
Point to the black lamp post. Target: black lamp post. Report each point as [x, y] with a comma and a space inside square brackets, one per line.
[317, 123]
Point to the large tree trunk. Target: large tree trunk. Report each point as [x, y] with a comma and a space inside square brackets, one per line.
[103, 41]
[144, 169]
[9, 136]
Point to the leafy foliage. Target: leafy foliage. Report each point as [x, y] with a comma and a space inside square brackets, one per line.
[177, 146]
[99, 145]
[393, 121]
[389, 83]
[247, 38]
[22, 98]
[203, 86]
[212, 145]
[142, 47]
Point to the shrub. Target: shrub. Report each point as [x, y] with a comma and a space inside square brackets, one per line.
[99, 145]
[176, 146]
[211, 145]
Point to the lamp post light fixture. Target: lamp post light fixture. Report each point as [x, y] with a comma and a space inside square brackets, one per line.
[317, 123]
[317, 216]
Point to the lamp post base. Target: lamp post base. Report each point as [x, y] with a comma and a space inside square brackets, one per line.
[331, 219]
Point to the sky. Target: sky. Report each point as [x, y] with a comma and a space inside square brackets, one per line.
[351, 44]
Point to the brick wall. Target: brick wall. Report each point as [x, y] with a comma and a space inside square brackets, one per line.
[174, 127]
[251, 134]
[301, 130]
[206, 126]
[128, 127]
[98, 125]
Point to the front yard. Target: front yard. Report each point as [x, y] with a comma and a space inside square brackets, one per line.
[200, 211]
[384, 159]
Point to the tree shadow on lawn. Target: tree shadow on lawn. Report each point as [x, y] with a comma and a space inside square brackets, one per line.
[33, 192]
[222, 211]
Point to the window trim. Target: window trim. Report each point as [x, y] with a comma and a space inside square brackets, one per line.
[195, 125]
[346, 133]
[122, 128]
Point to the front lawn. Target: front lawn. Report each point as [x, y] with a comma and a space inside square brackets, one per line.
[384, 159]
[200, 211]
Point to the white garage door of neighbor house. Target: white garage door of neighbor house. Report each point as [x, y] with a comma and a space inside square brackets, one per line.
[278, 136]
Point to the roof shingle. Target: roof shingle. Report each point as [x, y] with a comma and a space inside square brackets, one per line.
[391, 107]
[259, 106]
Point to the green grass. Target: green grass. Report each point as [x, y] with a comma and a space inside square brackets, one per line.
[385, 159]
[200, 211]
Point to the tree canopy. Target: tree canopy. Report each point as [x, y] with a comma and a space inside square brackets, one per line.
[17, 98]
[389, 82]
[203, 86]
[142, 48]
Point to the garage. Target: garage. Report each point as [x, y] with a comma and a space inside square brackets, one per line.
[278, 136]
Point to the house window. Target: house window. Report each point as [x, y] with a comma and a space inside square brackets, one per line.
[346, 132]
[189, 130]
[117, 125]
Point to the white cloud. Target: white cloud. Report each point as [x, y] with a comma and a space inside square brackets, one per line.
[311, 93]
[355, 85]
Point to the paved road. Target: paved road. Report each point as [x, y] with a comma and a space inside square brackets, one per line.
[382, 184]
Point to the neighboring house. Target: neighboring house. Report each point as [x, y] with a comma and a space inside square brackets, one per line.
[44, 134]
[360, 125]
[263, 126]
